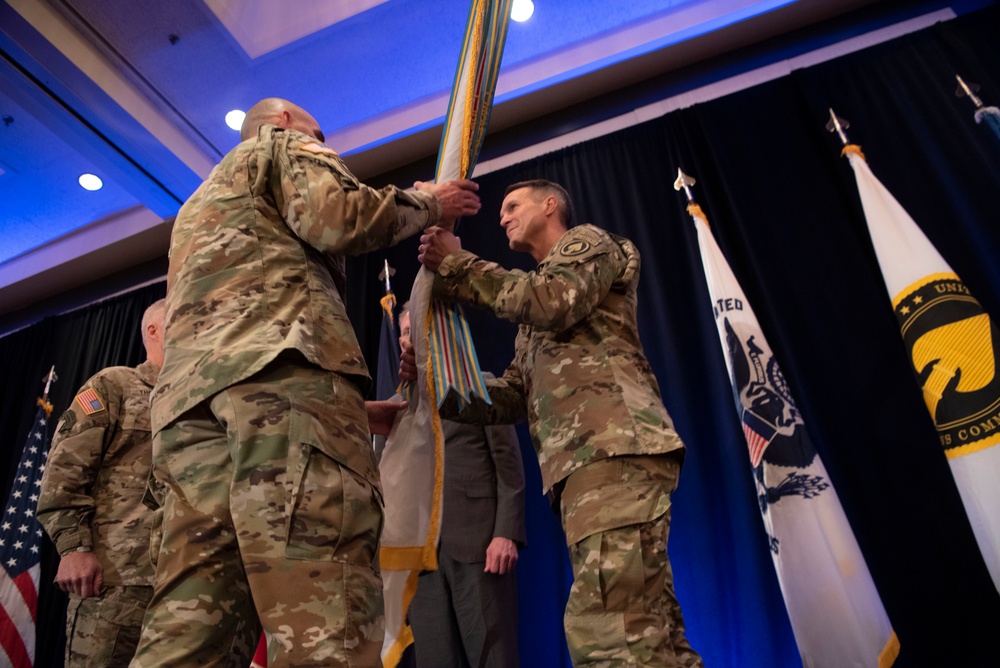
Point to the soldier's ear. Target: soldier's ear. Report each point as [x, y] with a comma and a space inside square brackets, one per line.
[550, 204]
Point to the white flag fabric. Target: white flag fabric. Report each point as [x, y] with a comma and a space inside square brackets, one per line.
[412, 464]
[836, 614]
[412, 470]
[953, 346]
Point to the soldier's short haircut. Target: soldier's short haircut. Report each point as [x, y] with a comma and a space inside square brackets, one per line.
[267, 110]
[153, 312]
[547, 188]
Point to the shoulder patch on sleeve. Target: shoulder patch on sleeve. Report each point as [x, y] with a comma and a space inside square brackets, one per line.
[574, 248]
[90, 402]
[314, 147]
[583, 240]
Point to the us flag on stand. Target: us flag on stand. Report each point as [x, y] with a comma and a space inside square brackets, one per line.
[20, 540]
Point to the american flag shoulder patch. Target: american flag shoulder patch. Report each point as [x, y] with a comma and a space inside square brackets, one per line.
[90, 402]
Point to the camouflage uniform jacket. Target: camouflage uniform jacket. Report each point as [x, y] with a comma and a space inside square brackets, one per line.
[257, 265]
[579, 374]
[96, 473]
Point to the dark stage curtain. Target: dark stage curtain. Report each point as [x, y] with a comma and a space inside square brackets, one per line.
[786, 213]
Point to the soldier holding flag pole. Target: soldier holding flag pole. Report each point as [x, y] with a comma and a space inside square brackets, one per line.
[606, 446]
[261, 432]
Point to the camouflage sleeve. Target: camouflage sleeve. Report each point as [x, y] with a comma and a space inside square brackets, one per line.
[65, 504]
[326, 206]
[560, 293]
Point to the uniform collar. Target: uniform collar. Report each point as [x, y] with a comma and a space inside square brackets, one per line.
[148, 372]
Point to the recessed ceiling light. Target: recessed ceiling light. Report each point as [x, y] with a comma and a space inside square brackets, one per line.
[522, 10]
[234, 119]
[90, 182]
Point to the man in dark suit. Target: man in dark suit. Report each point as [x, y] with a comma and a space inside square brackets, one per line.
[464, 614]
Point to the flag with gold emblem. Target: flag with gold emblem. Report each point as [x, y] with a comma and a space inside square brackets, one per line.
[412, 464]
[953, 345]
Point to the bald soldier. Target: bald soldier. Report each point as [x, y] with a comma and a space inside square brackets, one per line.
[272, 507]
[606, 446]
[90, 504]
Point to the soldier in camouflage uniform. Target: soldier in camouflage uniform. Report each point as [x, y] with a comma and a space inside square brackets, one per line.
[272, 508]
[606, 446]
[91, 506]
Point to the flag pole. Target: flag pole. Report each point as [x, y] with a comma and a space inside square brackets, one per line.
[384, 275]
[968, 90]
[446, 359]
[684, 182]
[388, 301]
[49, 378]
[990, 114]
[839, 125]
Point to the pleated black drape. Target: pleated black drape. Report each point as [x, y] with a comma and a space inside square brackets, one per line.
[785, 210]
[79, 344]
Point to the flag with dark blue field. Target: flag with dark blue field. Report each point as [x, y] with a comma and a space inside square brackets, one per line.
[387, 374]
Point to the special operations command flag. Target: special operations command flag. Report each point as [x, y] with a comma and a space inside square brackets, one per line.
[412, 465]
[836, 613]
[953, 345]
[20, 541]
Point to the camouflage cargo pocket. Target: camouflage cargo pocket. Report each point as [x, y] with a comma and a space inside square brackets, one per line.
[119, 607]
[609, 573]
[105, 631]
[332, 512]
[80, 626]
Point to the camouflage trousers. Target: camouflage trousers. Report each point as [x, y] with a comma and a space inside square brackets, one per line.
[622, 610]
[266, 517]
[102, 631]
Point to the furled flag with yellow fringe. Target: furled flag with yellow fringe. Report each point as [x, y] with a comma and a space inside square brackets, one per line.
[412, 464]
[387, 372]
[953, 346]
[836, 614]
